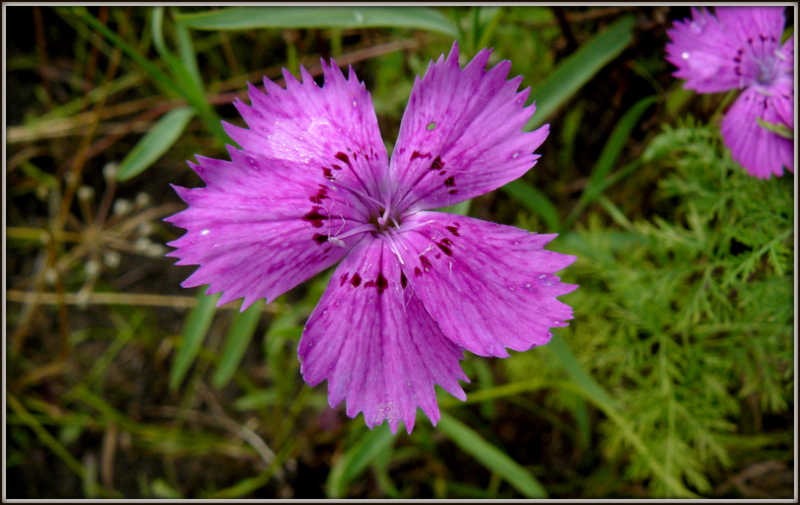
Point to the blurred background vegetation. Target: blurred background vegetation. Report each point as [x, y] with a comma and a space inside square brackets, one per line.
[675, 379]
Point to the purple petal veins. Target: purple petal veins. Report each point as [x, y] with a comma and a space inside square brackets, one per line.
[739, 48]
[313, 186]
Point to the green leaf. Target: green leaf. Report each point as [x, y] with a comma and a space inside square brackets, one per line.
[371, 445]
[618, 140]
[778, 128]
[194, 333]
[577, 69]
[236, 342]
[184, 71]
[599, 180]
[491, 457]
[155, 143]
[249, 18]
[576, 372]
[536, 201]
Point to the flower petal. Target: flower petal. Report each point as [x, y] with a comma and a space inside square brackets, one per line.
[370, 337]
[260, 226]
[332, 130]
[461, 135]
[759, 28]
[706, 54]
[488, 286]
[761, 152]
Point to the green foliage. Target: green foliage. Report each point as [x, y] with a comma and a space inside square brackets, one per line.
[684, 317]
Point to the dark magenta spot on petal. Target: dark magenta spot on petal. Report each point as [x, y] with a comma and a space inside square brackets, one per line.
[320, 239]
[342, 279]
[336, 167]
[438, 255]
[417, 154]
[417, 271]
[452, 192]
[447, 242]
[314, 217]
[356, 280]
[450, 182]
[453, 230]
[381, 283]
[443, 172]
[343, 157]
[369, 284]
[444, 248]
[437, 163]
[403, 280]
[321, 195]
[425, 262]
[327, 173]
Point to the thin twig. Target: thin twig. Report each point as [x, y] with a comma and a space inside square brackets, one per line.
[176, 301]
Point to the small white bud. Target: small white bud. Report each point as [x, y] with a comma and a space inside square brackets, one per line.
[141, 244]
[143, 200]
[50, 276]
[110, 170]
[156, 250]
[92, 268]
[85, 193]
[146, 228]
[122, 207]
[112, 259]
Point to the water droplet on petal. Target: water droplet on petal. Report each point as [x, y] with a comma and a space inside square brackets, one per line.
[205, 232]
[685, 55]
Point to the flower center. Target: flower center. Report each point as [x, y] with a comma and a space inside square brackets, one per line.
[385, 219]
[767, 71]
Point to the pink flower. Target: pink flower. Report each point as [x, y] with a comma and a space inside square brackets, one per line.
[313, 186]
[739, 48]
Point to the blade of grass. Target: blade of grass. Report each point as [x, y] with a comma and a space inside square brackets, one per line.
[491, 457]
[186, 48]
[236, 342]
[536, 201]
[576, 372]
[618, 139]
[155, 143]
[598, 180]
[578, 68]
[194, 332]
[368, 447]
[249, 18]
[187, 74]
[47, 439]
